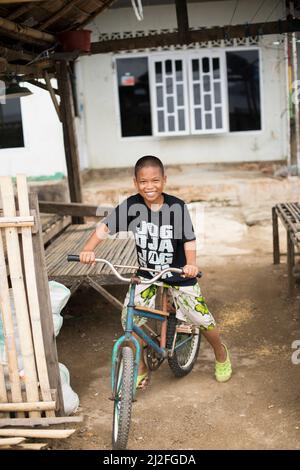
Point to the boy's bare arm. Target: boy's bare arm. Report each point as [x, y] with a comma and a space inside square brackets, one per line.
[190, 269]
[87, 254]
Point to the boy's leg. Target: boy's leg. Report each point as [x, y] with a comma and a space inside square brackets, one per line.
[213, 337]
[191, 306]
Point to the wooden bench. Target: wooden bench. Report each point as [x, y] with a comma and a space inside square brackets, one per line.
[289, 214]
[117, 250]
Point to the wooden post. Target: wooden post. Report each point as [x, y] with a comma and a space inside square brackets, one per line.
[290, 263]
[71, 150]
[45, 307]
[276, 248]
[52, 94]
[182, 17]
[296, 98]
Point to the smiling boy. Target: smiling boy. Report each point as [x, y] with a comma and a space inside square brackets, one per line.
[164, 237]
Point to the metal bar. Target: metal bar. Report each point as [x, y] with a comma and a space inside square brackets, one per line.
[155, 316]
[149, 341]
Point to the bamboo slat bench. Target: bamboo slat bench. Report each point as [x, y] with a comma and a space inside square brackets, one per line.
[289, 214]
[117, 250]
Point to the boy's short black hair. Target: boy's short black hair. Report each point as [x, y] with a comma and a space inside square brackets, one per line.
[148, 160]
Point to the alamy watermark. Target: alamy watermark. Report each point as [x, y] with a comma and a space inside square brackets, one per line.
[296, 354]
[2, 92]
[174, 221]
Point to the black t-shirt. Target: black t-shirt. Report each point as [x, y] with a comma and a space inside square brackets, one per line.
[159, 235]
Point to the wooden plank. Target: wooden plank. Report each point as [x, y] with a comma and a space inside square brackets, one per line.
[11, 54]
[152, 310]
[58, 14]
[40, 85]
[6, 222]
[276, 248]
[290, 263]
[104, 4]
[182, 17]
[52, 94]
[193, 36]
[21, 1]
[56, 228]
[30, 34]
[45, 307]
[29, 446]
[8, 329]
[43, 433]
[73, 208]
[20, 301]
[3, 392]
[32, 294]
[111, 299]
[20, 11]
[11, 441]
[38, 406]
[31, 422]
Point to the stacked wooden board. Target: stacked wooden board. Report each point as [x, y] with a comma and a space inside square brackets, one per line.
[30, 389]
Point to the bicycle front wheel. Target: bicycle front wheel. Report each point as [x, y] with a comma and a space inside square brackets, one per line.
[123, 397]
[186, 348]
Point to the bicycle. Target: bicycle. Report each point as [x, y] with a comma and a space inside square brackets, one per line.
[177, 342]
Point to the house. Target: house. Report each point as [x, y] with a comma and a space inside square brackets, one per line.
[148, 87]
[217, 101]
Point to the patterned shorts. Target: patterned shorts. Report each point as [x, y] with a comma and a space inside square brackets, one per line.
[189, 303]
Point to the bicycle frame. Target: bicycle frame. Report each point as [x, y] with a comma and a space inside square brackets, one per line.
[132, 310]
[128, 336]
[131, 327]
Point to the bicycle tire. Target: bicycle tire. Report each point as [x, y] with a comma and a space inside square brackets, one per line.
[182, 362]
[123, 393]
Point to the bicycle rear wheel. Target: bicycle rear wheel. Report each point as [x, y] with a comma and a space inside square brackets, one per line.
[123, 397]
[186, 348]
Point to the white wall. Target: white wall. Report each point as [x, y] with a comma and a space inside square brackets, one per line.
[105, 147]
[43, 153]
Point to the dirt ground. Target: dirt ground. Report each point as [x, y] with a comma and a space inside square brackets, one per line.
[259, 408]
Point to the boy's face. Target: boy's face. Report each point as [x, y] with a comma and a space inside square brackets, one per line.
[150, 183]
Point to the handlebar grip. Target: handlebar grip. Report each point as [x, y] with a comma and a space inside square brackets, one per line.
[73, 258]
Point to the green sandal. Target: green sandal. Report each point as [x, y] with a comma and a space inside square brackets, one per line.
[142, 381]
[223, 370]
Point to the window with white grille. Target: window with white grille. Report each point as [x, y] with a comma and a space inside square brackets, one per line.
[169, 95]
[205, 91]
[207, 80]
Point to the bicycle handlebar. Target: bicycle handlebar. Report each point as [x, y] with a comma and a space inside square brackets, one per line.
[76, 258]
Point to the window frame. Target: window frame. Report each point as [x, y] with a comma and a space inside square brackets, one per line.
[187, 54]
[261, 91]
